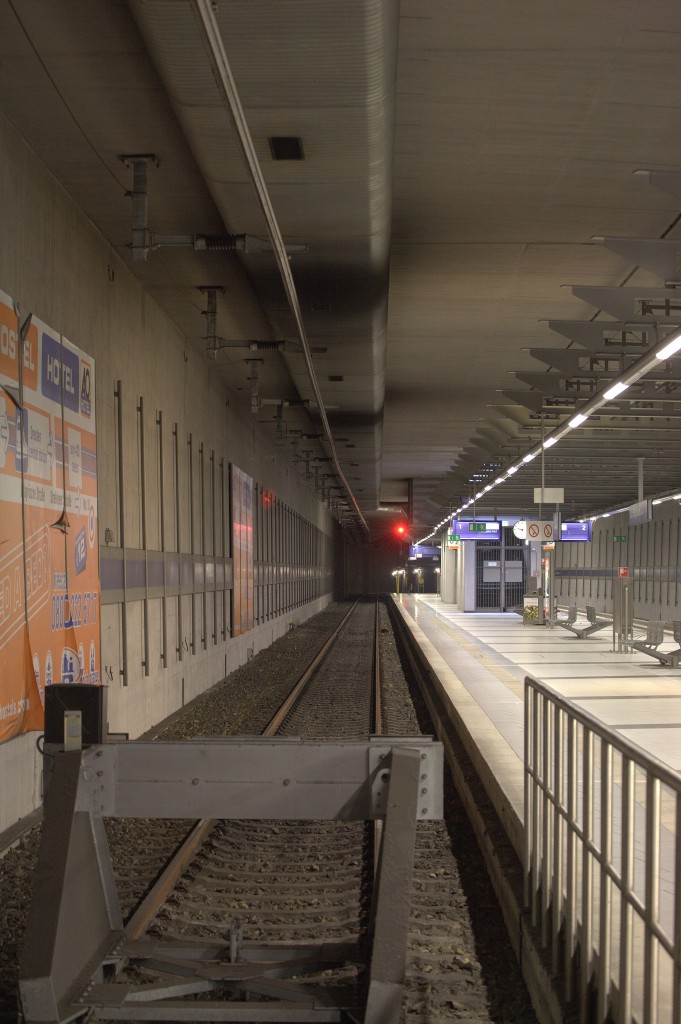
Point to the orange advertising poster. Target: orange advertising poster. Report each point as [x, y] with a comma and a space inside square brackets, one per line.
[49, 565]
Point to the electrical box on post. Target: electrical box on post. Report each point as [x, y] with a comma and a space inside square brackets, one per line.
[89, 700]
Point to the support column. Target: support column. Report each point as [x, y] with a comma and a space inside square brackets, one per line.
[448, 587]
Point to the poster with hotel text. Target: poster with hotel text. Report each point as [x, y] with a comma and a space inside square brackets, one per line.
[49, 563]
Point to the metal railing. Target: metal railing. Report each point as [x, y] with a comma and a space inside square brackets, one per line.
[602, 863]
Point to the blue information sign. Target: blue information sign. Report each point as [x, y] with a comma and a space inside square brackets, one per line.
[479, 530]
[575, 531]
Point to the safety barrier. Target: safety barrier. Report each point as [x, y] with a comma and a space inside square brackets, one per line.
[76, 945]
[602, 863]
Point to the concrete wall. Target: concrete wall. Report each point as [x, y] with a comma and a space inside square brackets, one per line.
[369, 567]
[651, 552]
[54, 263]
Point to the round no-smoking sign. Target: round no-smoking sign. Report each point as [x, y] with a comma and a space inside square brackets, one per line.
[533, 530]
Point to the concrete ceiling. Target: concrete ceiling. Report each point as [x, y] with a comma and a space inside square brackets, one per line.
[461, 163]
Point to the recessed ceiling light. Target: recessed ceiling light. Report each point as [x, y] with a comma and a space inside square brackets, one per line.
[286, 147]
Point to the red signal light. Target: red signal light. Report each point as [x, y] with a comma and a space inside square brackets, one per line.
[400, 530]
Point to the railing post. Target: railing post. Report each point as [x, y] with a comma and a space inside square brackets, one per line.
[586, 956]
[652, 948]
[626, 911]
[571, 873]
[604, 974]
[676, 985]
[546, 866]
[558, 855]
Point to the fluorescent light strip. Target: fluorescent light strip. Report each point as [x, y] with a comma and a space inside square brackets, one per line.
[670, 349]
[669, 497]
[638, 370]
[615, 390]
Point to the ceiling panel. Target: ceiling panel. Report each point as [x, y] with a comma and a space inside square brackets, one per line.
[454, 182]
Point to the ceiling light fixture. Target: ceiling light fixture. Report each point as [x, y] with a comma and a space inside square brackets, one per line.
[667, 497]
[615, 390]
[672, 346]
[666, 348]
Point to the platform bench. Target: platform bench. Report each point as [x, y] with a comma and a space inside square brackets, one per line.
[654, 637]
[582, 632]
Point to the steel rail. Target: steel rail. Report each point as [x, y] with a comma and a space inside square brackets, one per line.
[377, 724]
[294, 696]
[191, 844]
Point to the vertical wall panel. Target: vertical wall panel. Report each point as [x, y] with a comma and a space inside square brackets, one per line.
[652, 554]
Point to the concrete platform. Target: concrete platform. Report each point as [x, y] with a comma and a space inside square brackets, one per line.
[482, 659]
[478, 663]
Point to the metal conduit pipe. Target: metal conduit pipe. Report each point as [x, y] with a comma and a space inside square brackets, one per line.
[227, 87]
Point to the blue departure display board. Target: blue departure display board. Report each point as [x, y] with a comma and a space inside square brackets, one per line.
[424, 551]
[468, 530]
[575, 531]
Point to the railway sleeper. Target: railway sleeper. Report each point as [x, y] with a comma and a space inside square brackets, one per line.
[76, 943]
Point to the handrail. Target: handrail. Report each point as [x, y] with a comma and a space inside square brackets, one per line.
[602, 862]
[666, 774]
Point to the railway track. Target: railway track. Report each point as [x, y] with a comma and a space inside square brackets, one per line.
[292, 896]
[312, 881]
[351, 675]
